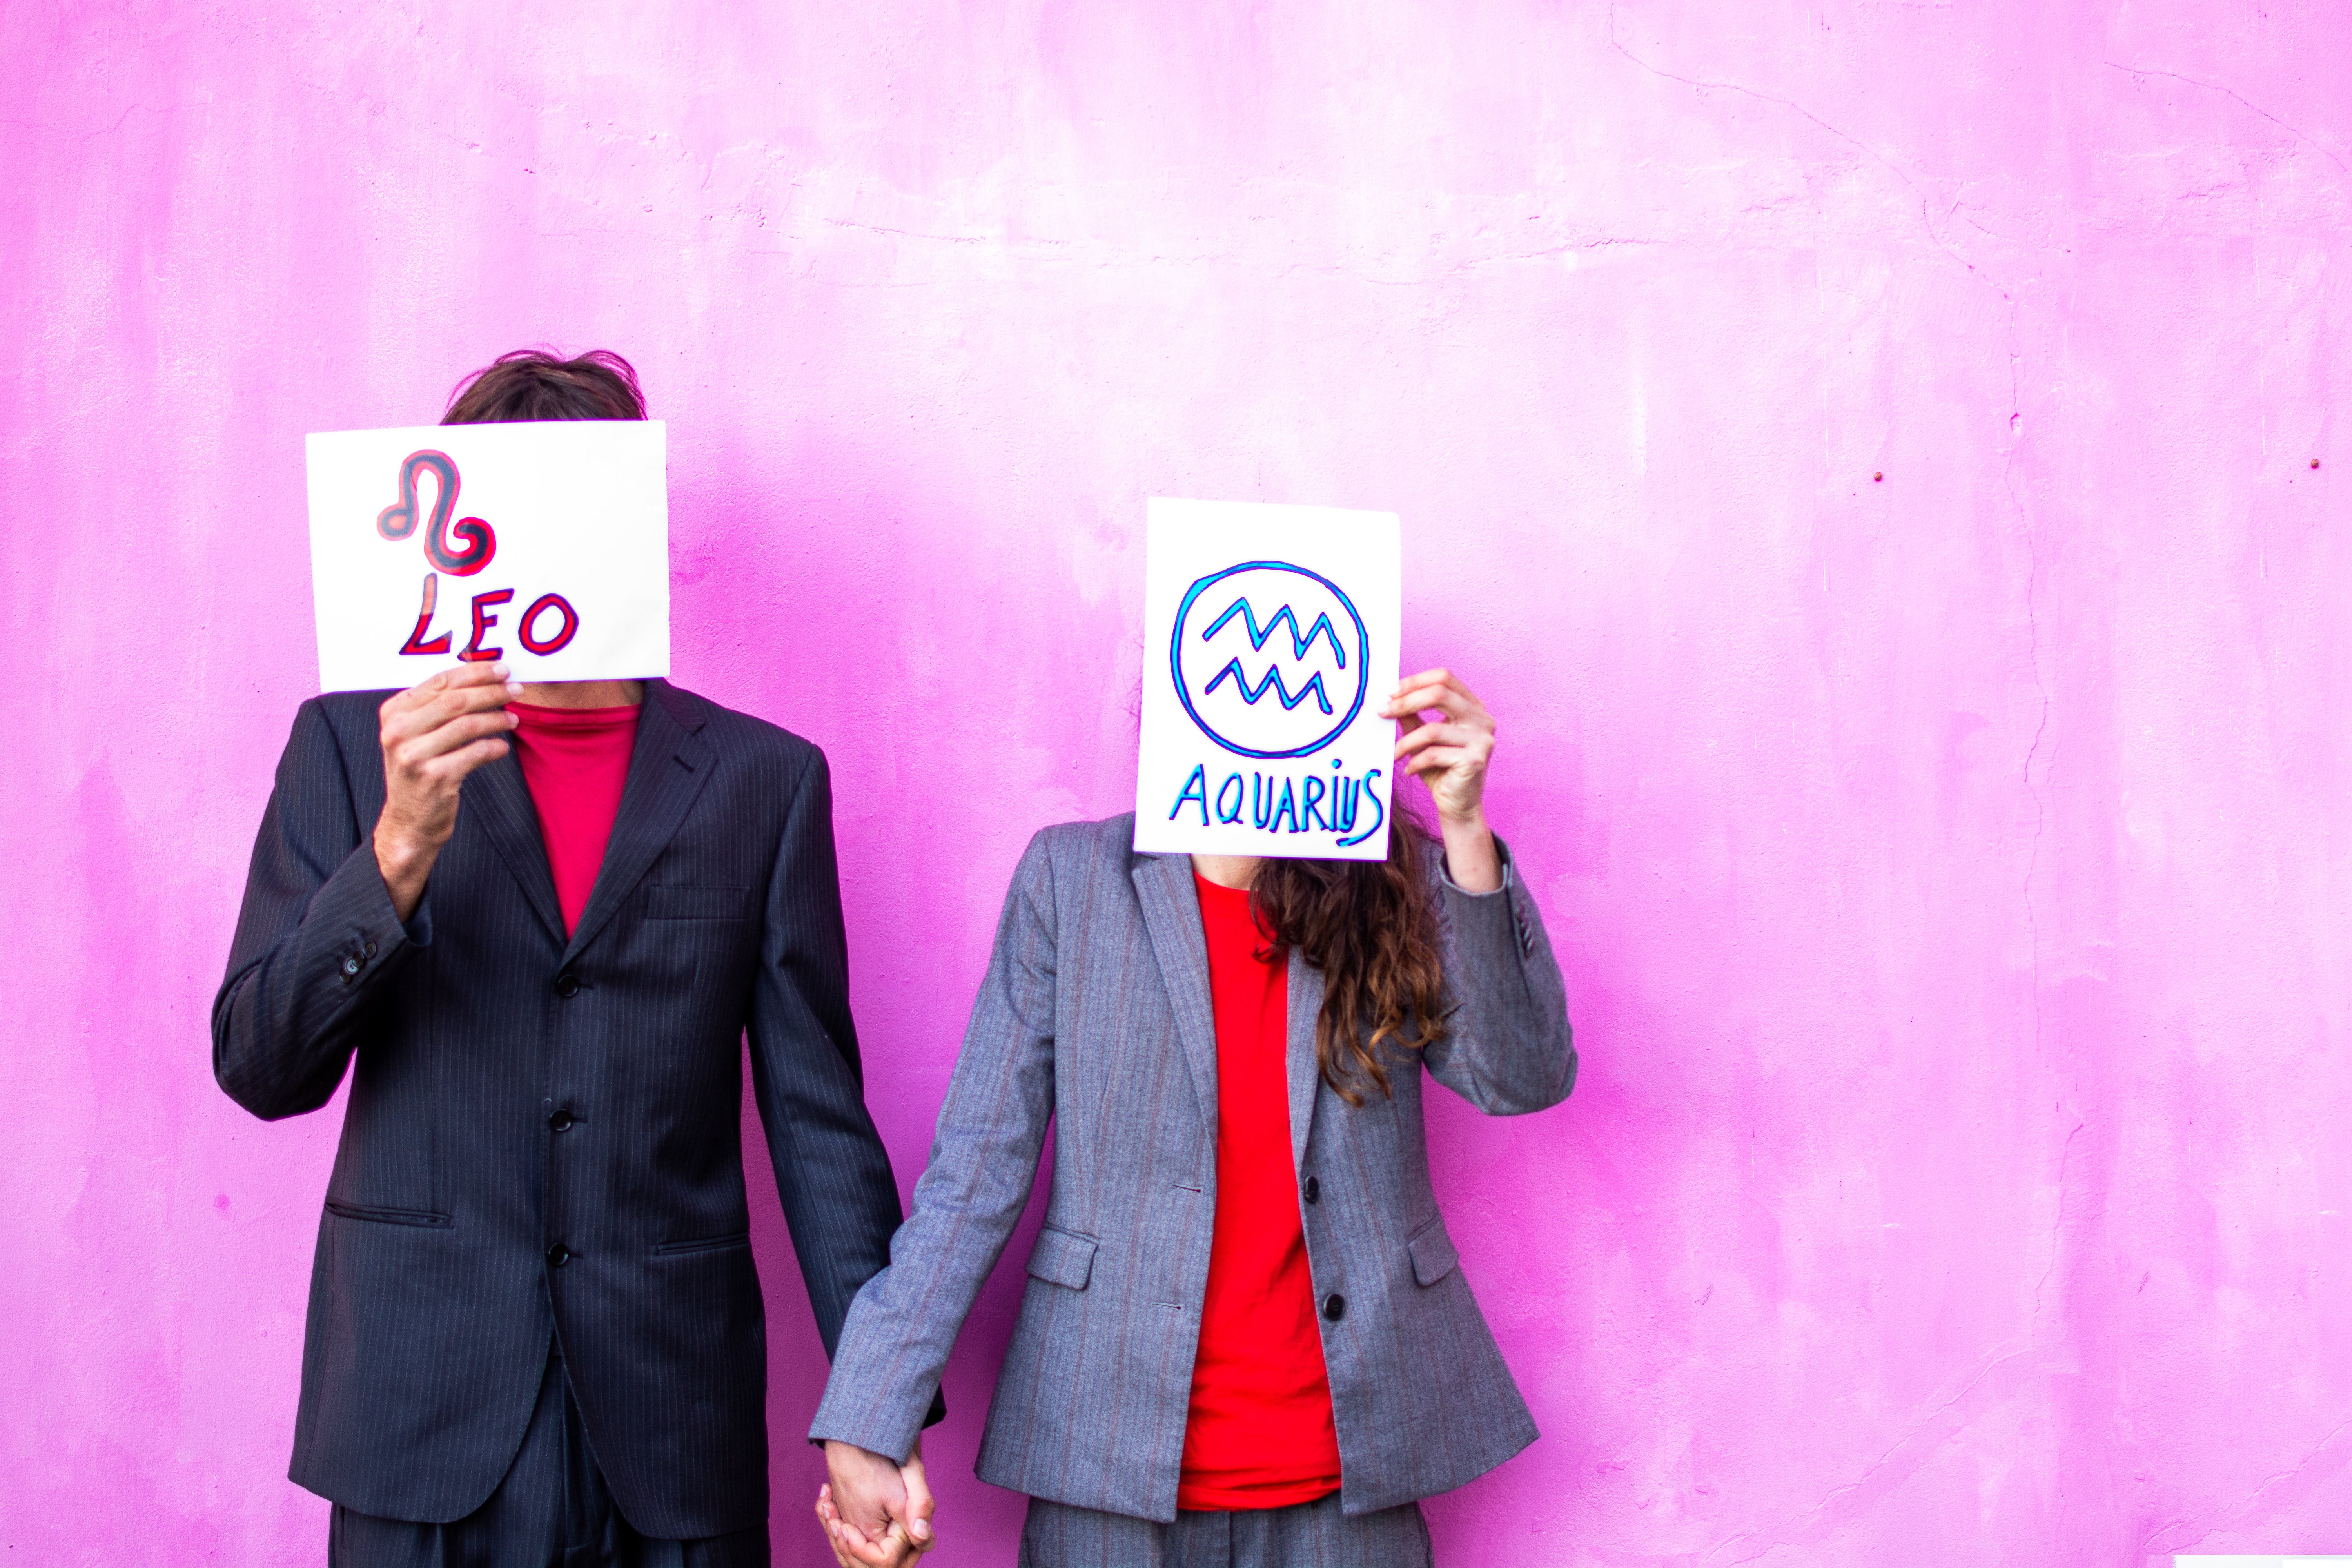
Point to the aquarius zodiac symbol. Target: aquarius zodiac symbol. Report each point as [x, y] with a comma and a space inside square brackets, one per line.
[1228, 705]
[1250, 694]
[1299, 645]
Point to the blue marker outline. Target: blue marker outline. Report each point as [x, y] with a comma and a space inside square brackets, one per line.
[1363, 656]
[1272, 677]
[1299, 645]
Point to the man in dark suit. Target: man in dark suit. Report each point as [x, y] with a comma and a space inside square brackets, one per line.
[541, 921]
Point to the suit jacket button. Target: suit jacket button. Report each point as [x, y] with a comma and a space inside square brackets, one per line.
[1314, 1191]
[561, 1122]
[351, 964]
[567, 986]
[1335, 1306]
[558, 1254]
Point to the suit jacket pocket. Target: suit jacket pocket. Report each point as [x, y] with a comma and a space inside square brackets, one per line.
[1063, 1258]
[680, 903]
[702, 1243]
[1433, 1257]
[376, 1216]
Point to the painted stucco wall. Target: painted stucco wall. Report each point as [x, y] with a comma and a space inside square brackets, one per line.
[1950, 868]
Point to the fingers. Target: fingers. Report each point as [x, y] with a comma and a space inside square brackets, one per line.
[448, 724]
[853, 1548]
[434, 710]
[1437, 759]
[866, 1492]
[1455, 735]
[880, 1550]
[918, 1502]
[1440, 748]
[451, 768]
[1409, 702]
[418, 752]
[1438, 689]
[438, 685]
[450, 708]
[831, 1520]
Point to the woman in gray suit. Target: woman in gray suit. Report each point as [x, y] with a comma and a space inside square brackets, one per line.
[1246, 1338]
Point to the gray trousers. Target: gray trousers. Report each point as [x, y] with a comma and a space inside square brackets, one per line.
[1308, 1535]
[552, 1510]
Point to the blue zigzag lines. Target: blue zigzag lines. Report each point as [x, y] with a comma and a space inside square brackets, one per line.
[1322, 628]
[1274, 678]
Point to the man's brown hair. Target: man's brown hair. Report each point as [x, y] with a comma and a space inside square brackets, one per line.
[532, 384]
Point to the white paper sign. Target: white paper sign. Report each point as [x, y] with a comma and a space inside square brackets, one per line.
[1270, 646]
[543, 544]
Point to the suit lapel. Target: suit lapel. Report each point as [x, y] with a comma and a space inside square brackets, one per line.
[500, 799]
[667, 768]
[1171, 913]
[1304, 1073]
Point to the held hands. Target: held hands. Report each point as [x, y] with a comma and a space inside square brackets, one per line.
[877, 1513]
[434, 734]
[1450, 753]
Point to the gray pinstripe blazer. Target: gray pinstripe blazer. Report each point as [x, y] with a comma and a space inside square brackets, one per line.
[1096, 1015]
[543, 1134]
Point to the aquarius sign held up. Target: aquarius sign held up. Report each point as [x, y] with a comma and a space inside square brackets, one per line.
[1270, 640]
[559, 565]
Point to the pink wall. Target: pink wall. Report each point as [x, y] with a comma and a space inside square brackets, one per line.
[1952, 870]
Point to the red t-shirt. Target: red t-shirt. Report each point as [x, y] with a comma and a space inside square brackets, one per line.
[576, 761]
[1259, 1434]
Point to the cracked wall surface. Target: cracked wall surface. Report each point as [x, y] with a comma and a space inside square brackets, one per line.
[1878, 459]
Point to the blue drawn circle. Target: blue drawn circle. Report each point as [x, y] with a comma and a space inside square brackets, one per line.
[1363, 660]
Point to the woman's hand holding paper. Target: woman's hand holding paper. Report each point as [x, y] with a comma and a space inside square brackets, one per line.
[1450, 755]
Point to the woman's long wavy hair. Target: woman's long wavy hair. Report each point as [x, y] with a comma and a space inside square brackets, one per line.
[1371, 926]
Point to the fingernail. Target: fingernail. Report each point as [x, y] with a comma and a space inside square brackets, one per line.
[500, 669]
[514, 688]
[921, 1530]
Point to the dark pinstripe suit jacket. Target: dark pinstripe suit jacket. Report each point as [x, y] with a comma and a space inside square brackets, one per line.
[1096, 1015]
[515, 1092]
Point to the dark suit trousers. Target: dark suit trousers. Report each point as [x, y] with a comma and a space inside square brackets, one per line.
[552, 1511]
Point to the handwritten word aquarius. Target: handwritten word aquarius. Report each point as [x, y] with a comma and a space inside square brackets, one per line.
[478, 544]
[1315, 805]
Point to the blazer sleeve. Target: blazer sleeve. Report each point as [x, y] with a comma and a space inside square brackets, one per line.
[832, 1174]
[983, 1163]
[317, 937]
[1507, 1047]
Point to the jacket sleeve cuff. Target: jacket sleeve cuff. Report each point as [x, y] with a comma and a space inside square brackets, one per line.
[1499, 918]
[352, 918]
[890, 1432]
[1502, 853]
